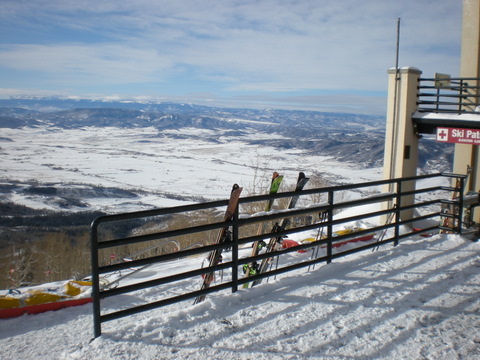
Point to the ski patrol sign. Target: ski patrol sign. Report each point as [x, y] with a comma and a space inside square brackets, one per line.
[458, 135]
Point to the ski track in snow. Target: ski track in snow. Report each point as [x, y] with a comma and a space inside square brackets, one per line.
[418, 300]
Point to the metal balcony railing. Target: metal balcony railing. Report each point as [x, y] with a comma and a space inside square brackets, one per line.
[448, 95]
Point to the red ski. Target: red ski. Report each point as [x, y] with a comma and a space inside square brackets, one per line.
[216, 255]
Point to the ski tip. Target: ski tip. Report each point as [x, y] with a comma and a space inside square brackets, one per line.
[235, 187]
[277, 178]
[301, 175]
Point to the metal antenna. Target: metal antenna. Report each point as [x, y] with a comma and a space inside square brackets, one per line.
[394, 127]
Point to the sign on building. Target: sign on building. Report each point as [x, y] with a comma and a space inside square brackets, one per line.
[442, 80]
[458, 135]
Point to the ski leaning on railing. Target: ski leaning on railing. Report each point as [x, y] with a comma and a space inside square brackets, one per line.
[251, 268]
[215, 256]
[301, 182]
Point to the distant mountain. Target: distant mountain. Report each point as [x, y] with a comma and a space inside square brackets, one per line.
[126, 114]
[347, 137]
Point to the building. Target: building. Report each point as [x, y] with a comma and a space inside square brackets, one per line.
[445, 106]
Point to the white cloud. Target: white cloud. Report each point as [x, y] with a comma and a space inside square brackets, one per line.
[266, 45]
[115, 63]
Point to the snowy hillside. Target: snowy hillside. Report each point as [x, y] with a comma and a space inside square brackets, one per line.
[416, 301]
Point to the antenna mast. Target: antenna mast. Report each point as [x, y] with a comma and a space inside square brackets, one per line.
[394, 127]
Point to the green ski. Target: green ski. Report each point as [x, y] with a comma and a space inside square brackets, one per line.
[301, 182]
[250, 269]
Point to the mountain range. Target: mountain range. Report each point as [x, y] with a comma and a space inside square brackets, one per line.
[347, 137]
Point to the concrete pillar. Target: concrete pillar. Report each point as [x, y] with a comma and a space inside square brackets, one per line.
[469, 68]
[469, 59]
[401, 142]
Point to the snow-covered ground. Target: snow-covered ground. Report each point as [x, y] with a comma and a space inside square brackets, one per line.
[418, 300]
[157, 165]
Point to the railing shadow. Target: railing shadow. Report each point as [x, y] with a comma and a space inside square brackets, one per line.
[361, 308]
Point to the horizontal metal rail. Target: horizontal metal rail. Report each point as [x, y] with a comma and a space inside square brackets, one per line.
[240, 222]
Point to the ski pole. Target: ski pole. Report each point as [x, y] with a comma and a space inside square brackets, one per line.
[323, 217]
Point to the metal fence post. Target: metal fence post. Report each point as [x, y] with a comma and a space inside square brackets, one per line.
[460, 204]
[397, 211]
[97, 325]
[462, 100]
[329, 226]
[235, 251]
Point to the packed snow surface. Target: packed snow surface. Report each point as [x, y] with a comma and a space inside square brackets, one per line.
[418, 300]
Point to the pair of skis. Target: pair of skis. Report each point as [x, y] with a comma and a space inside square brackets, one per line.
[251, 269]
[259, 269]
[215, 256]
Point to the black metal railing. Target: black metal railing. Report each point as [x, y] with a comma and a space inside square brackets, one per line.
[314, 203]
[450, 95]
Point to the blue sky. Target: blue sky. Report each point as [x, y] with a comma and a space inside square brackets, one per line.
[327, 55]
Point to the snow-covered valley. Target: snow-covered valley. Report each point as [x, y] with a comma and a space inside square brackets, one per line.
[155, 169]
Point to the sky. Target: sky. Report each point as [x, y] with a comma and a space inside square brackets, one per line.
[325, 55]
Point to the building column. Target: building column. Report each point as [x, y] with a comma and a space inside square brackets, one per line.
[469, 68]
[401, 141]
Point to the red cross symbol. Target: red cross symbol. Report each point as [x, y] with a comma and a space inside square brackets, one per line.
[442, 135]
